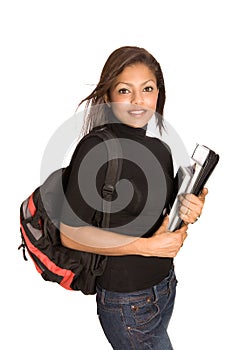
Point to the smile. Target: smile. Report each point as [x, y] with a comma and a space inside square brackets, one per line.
[137, 112]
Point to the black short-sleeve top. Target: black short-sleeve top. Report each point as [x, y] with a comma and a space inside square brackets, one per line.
[146, 188]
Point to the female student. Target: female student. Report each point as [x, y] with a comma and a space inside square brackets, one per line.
[136, 292]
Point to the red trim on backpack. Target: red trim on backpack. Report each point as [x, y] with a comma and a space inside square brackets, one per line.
[31, 205]
[67, 275]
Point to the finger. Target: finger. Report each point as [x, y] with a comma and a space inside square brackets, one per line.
[164, 225]
[184, 210]
[189, 211]
[189, 204]
[189, 216]
[203, 194]
[183, 234]
[191, 198]
[192, 205]
[183, 229]
[188, 199]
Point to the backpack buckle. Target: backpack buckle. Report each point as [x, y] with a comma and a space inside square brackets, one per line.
[107, 192]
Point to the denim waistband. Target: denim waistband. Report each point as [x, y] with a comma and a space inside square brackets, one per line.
[128, 297]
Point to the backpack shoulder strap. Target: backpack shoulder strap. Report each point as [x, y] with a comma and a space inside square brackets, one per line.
[113, 172]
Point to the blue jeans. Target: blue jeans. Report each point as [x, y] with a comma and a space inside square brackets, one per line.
[138, 320]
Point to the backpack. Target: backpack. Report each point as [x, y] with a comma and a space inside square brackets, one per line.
[39, 225]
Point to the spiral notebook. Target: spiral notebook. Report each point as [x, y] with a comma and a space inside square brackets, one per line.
[192, 179]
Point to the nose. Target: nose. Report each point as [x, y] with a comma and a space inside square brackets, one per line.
[137, 98]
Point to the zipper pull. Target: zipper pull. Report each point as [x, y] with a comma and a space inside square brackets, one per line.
[23, 246]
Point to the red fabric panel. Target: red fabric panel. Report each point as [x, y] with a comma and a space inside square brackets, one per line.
[31, 205]
[66, 274]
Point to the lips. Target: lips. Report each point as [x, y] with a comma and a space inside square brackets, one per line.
[137, 112]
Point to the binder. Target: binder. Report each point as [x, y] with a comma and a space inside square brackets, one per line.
[192, 179]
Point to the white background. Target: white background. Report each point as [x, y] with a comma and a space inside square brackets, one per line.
[50, 52]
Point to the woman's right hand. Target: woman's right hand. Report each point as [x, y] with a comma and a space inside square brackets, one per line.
[164, 243]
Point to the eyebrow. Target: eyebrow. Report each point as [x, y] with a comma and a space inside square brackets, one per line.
[129, 84]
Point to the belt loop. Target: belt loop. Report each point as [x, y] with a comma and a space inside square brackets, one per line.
[102, 296]
[170, 281]
[154, 288]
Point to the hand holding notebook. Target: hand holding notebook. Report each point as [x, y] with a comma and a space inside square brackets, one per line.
[192, 179]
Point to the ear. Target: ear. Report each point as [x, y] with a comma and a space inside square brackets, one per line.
[106, 100]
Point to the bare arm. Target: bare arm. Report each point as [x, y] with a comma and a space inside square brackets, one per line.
[162, 244]
[94, 240]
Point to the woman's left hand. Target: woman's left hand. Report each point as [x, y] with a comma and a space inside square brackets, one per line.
[191, 206]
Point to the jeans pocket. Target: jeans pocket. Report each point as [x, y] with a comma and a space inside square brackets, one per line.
[144, 311]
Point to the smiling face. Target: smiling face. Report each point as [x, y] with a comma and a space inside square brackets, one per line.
[134, 95]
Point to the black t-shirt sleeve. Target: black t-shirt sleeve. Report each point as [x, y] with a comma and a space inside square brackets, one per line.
[83, 202]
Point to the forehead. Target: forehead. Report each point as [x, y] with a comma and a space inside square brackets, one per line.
[138, 72]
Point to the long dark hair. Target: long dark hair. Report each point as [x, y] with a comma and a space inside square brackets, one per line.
[115, 64]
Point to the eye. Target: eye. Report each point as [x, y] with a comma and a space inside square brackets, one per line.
[123, 91]
[148, 89]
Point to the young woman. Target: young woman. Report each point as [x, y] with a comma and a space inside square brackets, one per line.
[136, 292]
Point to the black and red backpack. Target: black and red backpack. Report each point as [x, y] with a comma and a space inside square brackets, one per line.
[39, 226]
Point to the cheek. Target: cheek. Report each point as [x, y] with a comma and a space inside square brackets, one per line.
[118, 108]
[151, 102]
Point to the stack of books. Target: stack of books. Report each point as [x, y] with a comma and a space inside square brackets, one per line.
[192, 179]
